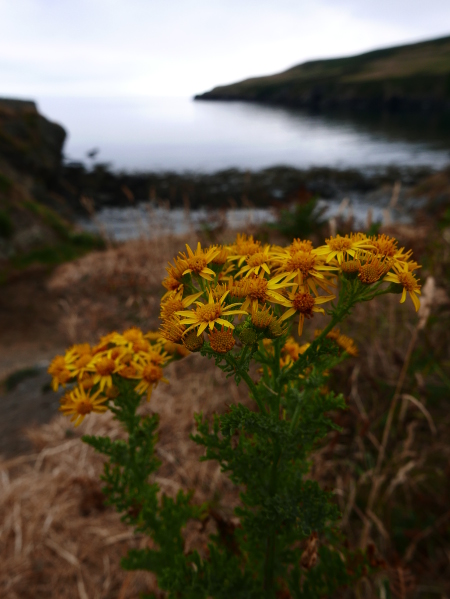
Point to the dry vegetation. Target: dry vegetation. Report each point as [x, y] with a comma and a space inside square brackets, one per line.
[389, 466]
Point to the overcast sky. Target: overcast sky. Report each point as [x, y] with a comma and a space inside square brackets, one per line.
[182, 47]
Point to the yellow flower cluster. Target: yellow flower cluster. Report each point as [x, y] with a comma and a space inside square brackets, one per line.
[207, 289]
[90, 370]
[344, 342]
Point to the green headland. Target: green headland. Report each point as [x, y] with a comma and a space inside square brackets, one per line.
[413, 77]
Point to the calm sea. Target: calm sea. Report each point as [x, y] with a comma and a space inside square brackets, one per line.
[180, 134]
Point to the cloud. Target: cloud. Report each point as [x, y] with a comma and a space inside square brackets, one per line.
[180, 47]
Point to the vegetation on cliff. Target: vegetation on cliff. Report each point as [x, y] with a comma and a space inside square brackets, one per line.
[414, 76]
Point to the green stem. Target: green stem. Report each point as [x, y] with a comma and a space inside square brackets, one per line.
[269, 567]
[296, 415]
[245, 376]
[244, 354]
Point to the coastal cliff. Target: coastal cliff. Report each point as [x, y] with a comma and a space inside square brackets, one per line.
[412, 77]
[35, 209]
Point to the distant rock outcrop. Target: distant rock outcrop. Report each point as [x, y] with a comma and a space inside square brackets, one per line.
[28, 141]
[35, 213]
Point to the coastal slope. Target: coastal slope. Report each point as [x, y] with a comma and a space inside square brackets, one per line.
[414, 77]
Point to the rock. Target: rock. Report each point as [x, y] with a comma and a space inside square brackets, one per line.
[28, 141]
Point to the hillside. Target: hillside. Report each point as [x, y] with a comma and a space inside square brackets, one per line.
[414, 77]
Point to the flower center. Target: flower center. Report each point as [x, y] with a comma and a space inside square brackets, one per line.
[84, 407]
[64, 376]
[385, 245]
[302, 261]
[128, 371]
[83, 361]
[171, 284]
[300, 246]
[152, 373]
[209, 312]
[196, 263]
[339, 244]
[258, 289]
[170, 306]
[141, 345]
[303, 303]
[105, 366]
[58, 364]
[221, 341]
[132, 335]
[248, 248]
[369, 273]
[257, 259]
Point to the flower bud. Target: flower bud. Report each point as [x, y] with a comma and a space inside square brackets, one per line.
[192, 342]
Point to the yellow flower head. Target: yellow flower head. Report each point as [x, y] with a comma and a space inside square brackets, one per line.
[197, 262]
[243, 247]
[129, 370]
[78, 403]
[59, 372]
[153, 336]
[257, 261]
[307, 266]
[151, 374]
[409, 283]
[260, 290]
[171, 284]
[345, 342]
[291, 351]
[103, 368]
[129, 337]
[300, 245]
[262, 317]
[292, 348]
[384, 245]
[78, 350]
[338, 247]
[172, 330]
[175, 302]
[175, 270]
[372, 268]
[176, 349]
[57, 365]
[214, 312]
[222, 256]
[80, 366]
[347, 345]
[302, 302]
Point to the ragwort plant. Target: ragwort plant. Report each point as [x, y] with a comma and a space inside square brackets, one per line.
[236, 304]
